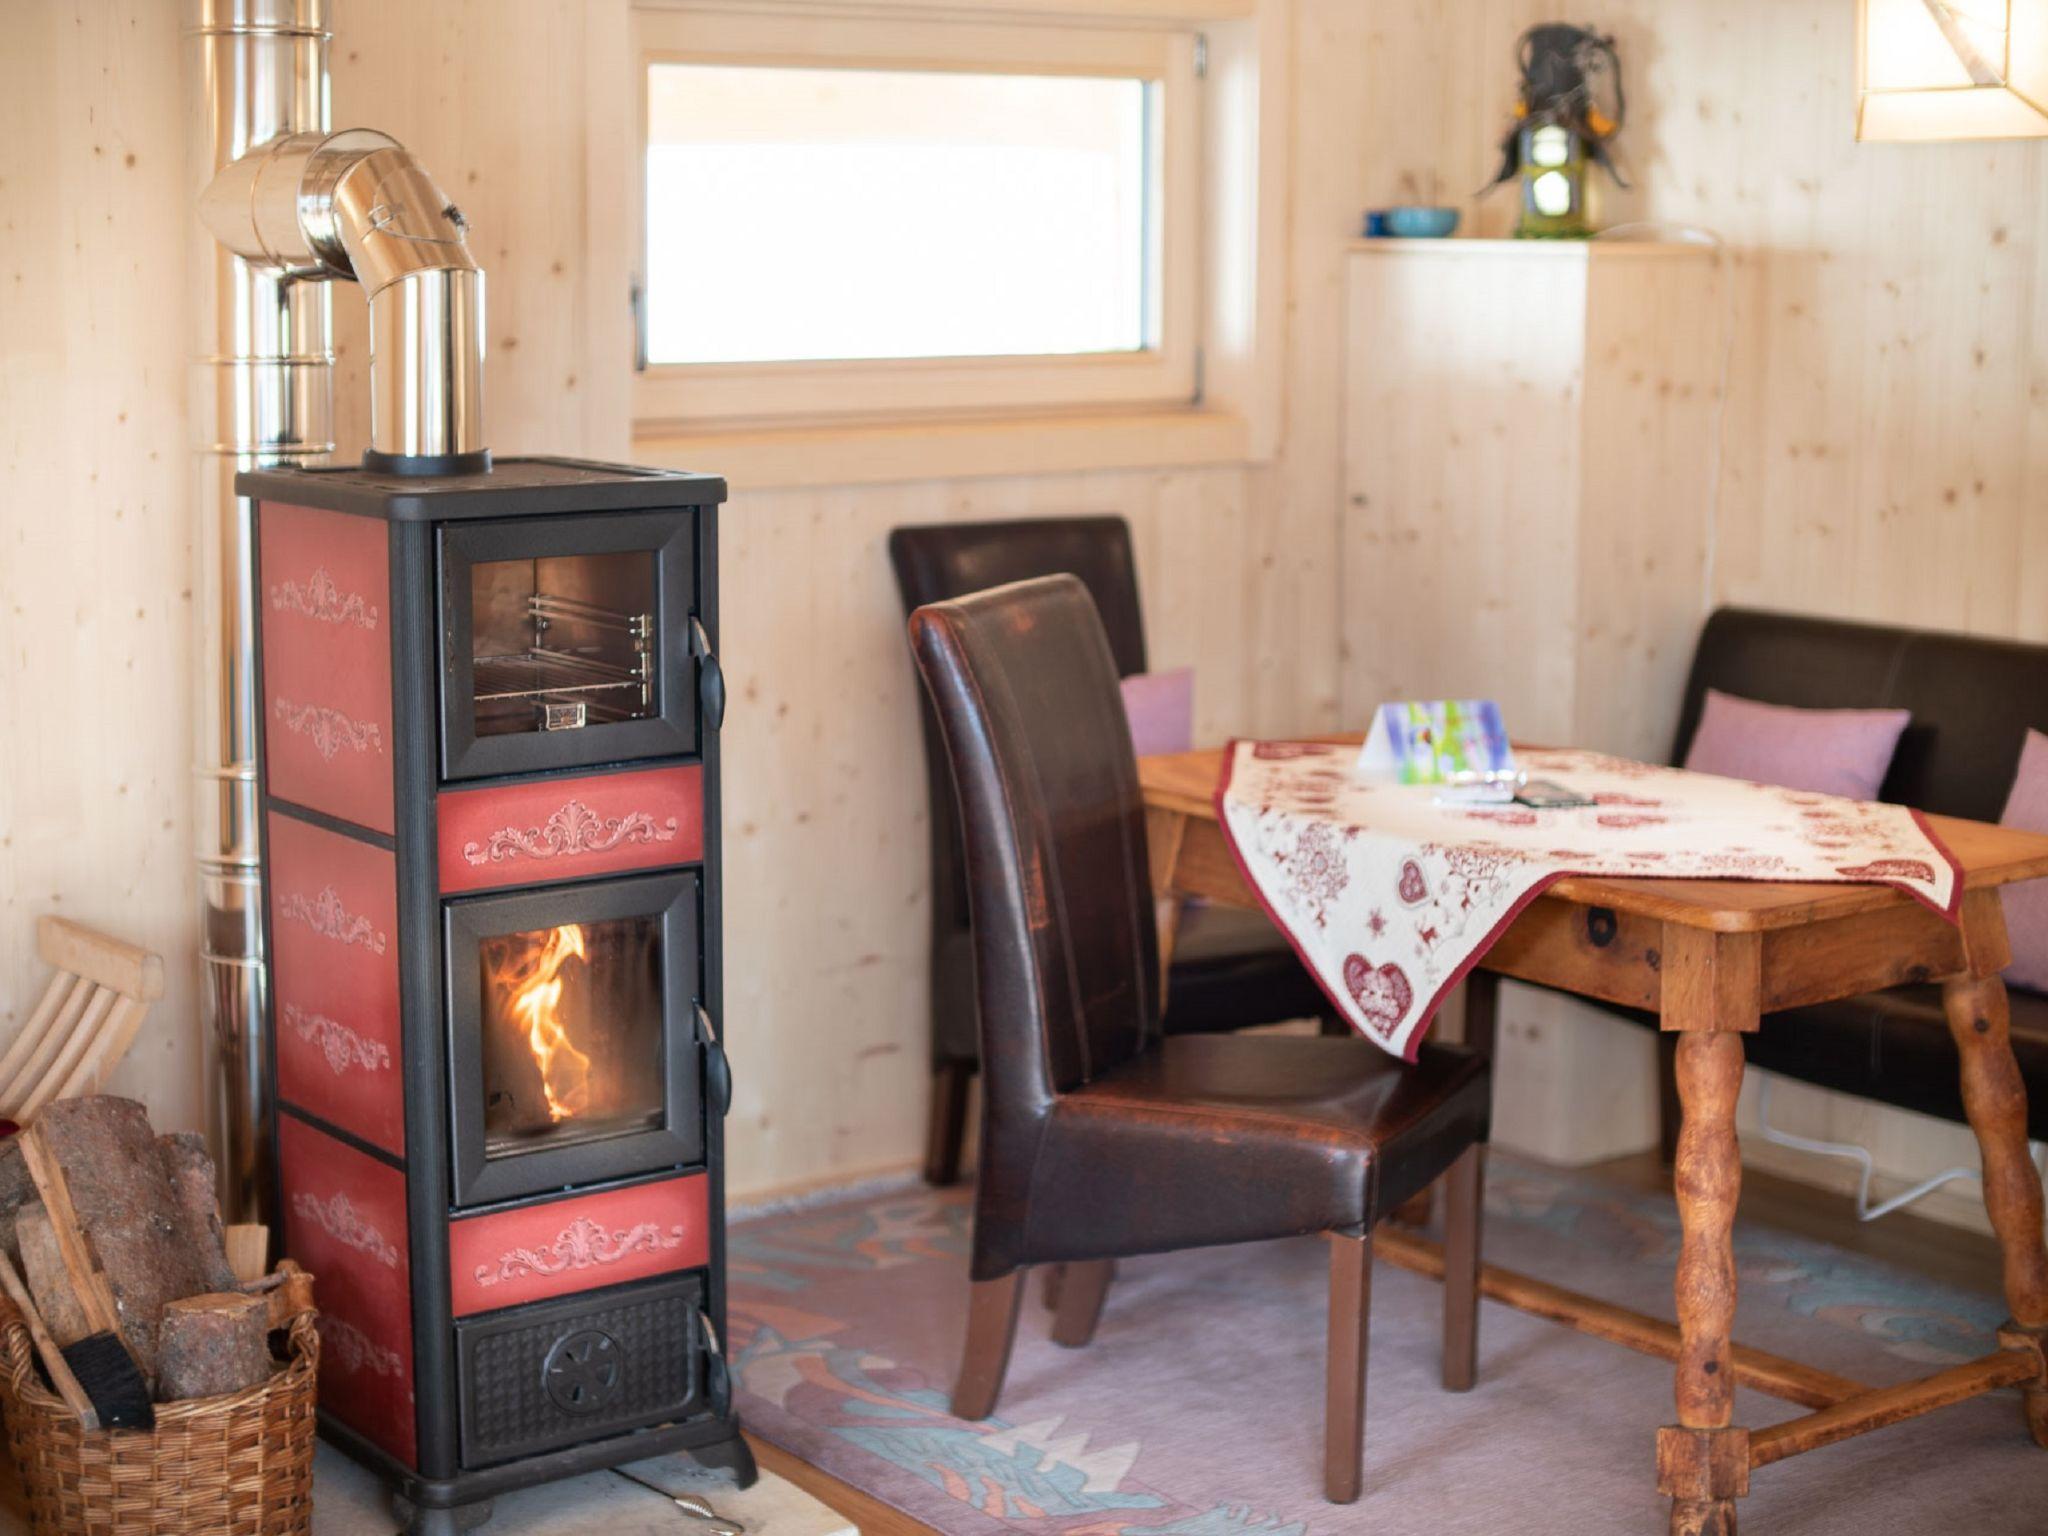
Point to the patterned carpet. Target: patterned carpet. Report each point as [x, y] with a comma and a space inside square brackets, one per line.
[1197, 1410]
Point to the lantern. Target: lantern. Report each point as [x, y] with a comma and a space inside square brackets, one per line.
[1569, 106]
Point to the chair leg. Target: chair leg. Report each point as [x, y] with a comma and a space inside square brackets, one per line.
[1464, 1198]
[1082, 1292]
[1344, 1396]
[991, 1329]
[948, 1125]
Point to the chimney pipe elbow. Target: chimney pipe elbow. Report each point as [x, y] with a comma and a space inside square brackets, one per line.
[357, 205]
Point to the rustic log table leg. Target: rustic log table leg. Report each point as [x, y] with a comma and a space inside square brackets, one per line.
[1712, 993]
[1995, 1097]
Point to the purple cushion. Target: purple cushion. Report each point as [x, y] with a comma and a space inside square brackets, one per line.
[1161, 706]
[2026, 904]
[1823, 751]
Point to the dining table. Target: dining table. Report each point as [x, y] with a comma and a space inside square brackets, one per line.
[1714, 959]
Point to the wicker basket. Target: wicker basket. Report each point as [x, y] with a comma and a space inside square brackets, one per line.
[238, 1465]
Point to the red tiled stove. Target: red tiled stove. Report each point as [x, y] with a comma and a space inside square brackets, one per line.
[490, 797]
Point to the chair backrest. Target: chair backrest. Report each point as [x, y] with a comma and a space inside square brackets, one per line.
[938, 561]
[98, 992]
[1972, 699]
[1025, 691]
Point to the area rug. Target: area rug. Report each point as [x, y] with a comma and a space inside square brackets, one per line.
[1197, 1411]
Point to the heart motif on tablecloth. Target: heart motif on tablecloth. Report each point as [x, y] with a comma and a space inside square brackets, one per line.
[1382, 993]
[1412, 889]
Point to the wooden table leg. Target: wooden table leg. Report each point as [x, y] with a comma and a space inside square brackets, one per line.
[1482, 1012]
[1164, 833]
[1712, 992]
[1995, 1097]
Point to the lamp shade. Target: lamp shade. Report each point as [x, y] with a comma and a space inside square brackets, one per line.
[1952, 69]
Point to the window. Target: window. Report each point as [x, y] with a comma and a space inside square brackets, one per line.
[848, 217]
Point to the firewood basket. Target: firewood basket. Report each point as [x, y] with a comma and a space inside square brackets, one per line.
[236, 1465]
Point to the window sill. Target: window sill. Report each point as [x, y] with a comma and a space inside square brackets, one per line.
[853, 453]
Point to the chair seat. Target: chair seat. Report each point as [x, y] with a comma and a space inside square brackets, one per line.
[1224, 1139]
[1232, 967]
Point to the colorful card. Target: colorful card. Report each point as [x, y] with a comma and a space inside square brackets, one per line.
[1459, 743]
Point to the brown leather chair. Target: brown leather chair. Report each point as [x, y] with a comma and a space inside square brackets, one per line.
[1102, 1139]
[1230, 967]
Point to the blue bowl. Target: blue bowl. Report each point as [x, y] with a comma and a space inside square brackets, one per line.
[1413, 223]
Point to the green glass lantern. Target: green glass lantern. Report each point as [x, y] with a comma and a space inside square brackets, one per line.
[1569, 108]
[1553, 179]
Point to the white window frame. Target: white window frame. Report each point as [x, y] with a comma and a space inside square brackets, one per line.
[1168, 373]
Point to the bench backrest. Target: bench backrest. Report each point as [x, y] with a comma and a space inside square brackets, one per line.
[1972, 699]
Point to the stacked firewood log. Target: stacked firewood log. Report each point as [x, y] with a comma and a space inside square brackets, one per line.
[143, 1214]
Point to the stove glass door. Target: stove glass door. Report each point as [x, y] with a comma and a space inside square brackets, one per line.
[568, 641]
[562, 643]
[571, 1033]
[575, 1055]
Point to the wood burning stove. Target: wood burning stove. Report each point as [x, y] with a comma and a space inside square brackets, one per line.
[490, 785]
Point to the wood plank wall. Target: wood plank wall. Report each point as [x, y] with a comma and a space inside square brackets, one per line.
[1885, 449]
[96, 685]
[1888, 326]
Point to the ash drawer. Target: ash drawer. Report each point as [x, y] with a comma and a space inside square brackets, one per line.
[563, 1372]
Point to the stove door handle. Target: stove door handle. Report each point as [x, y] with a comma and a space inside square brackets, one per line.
[710, 676]
[717, 1069]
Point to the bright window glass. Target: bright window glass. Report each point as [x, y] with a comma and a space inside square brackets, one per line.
[812, 214]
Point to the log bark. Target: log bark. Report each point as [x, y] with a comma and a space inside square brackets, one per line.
[124, 1204]
[16, 1190]
[194, 1187]
[212, 1344]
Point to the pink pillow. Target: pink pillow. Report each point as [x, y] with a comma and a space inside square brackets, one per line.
[1161, 706]
[2026, 904]
[1823, 751]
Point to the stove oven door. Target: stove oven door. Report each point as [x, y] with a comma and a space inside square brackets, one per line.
[574, 1052]
[568, 641]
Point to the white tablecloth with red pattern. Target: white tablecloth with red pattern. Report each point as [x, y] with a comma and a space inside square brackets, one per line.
[1391, 898]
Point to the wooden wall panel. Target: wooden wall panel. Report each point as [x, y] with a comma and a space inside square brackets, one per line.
[95, 533]
[1461, 515]
[1884, 452]
[1889, 350]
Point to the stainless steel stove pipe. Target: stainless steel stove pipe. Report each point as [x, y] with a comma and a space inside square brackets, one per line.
[262, 393]
[357, 205]
[285, 205]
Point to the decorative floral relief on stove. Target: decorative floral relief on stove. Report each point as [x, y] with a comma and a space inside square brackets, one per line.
[574, 829]
[353, 1350]
[342, 1046]
[583, 1244]
[329, 729]
[328, 916]
[318, 597]
[339, 1219]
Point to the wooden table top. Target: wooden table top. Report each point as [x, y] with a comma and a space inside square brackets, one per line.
[1185, 783]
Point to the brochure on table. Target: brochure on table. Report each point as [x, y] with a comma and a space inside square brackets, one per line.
[1458, 745]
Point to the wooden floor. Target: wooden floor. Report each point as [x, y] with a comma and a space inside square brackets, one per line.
[872, 1516]
[1930, 1248]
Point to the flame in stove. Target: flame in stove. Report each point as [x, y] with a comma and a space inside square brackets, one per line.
[533, 983]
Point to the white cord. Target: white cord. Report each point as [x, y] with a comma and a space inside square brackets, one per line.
[1865, 1211]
